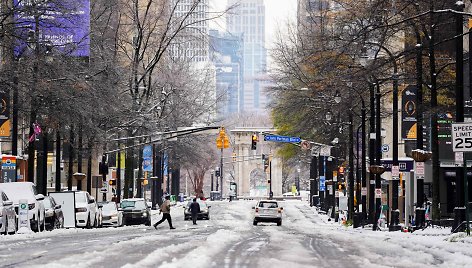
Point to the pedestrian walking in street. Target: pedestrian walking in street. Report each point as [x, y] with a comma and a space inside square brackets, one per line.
[165, 210]
[194, 210]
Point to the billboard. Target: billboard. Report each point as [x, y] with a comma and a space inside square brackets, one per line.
[5, 125]
[63, 26]
[409, 113]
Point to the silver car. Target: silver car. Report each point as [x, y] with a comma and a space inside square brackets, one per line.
[111, 215]
[267, 211]
[7, 215]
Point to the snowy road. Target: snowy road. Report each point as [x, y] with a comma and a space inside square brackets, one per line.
[229, 239]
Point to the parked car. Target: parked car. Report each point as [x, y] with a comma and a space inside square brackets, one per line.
[17, 191]
[204, 210]
[7, 215]
[54, 216]
[267, 211]
[135, 211]
[86, 210]
[111, 216]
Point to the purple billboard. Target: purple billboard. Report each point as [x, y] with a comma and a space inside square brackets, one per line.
[63, 26]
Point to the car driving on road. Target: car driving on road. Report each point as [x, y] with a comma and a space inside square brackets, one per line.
[204, 210]
[17, 191]
[111, 216]
[135, 211]
[267, 211]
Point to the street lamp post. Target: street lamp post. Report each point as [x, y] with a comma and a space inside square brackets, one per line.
[351, 167]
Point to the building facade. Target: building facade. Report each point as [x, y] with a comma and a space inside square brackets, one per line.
[226, 54]
[248, 19]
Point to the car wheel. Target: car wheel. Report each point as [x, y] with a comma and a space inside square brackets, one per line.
[95, 224]
[208, 217]
[279, 223]
[254, 223]
[148, 223]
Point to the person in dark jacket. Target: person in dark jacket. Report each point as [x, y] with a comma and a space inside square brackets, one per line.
[194, 209]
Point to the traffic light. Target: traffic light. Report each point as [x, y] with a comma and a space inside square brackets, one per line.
[103, 168]
[112, 182]
[217, 173]
[234, 157]
[254, 140]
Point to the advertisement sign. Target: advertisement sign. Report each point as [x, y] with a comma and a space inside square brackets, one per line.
[409, 113]
[23, 221]
[8, 168]
[64, 25]
[5, 124]
[147, 158]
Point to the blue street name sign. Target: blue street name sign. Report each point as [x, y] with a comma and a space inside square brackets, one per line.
[278, 138]
[322, 183]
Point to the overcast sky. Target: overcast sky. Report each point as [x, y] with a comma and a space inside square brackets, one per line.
[278, 12]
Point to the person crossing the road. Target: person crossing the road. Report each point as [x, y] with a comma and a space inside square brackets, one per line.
[165, 209]
[194, 209]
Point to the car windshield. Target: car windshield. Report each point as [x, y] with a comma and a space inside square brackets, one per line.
[133, 204]
[47, 203]
[268, 204]
[80, 197]
[109, 207]
[201, 203]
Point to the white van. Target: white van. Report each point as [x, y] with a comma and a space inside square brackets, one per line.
[17, 191]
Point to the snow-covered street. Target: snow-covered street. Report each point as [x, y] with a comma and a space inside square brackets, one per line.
[229, 239]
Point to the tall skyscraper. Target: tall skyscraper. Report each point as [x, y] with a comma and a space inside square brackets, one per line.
[226, 54]
[248, 19]
[192, 43]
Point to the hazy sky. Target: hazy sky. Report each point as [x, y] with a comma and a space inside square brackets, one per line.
[278, 12]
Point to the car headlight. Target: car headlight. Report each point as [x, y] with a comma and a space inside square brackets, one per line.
[80, 209]
[145, 214]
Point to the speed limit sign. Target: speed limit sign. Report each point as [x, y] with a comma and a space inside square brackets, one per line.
[462, 137]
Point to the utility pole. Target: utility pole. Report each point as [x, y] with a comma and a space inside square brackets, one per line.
[222, 142]
[459, 210]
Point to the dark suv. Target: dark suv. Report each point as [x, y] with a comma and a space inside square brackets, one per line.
[135, 211]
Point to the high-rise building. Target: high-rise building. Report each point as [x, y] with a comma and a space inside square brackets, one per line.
[226, 54]
[248, 19]
[192, 43]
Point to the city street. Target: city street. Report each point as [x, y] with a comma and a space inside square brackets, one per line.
[229, 239]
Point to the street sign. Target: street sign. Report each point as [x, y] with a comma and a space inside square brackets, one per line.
[395, 171]
[104, 190]
[336, 194]
[325, 151]
[364, 191]
[419, 168]
[462, 137]
[378, 193]
[278, 138]
[385, 148]
[322, 183]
